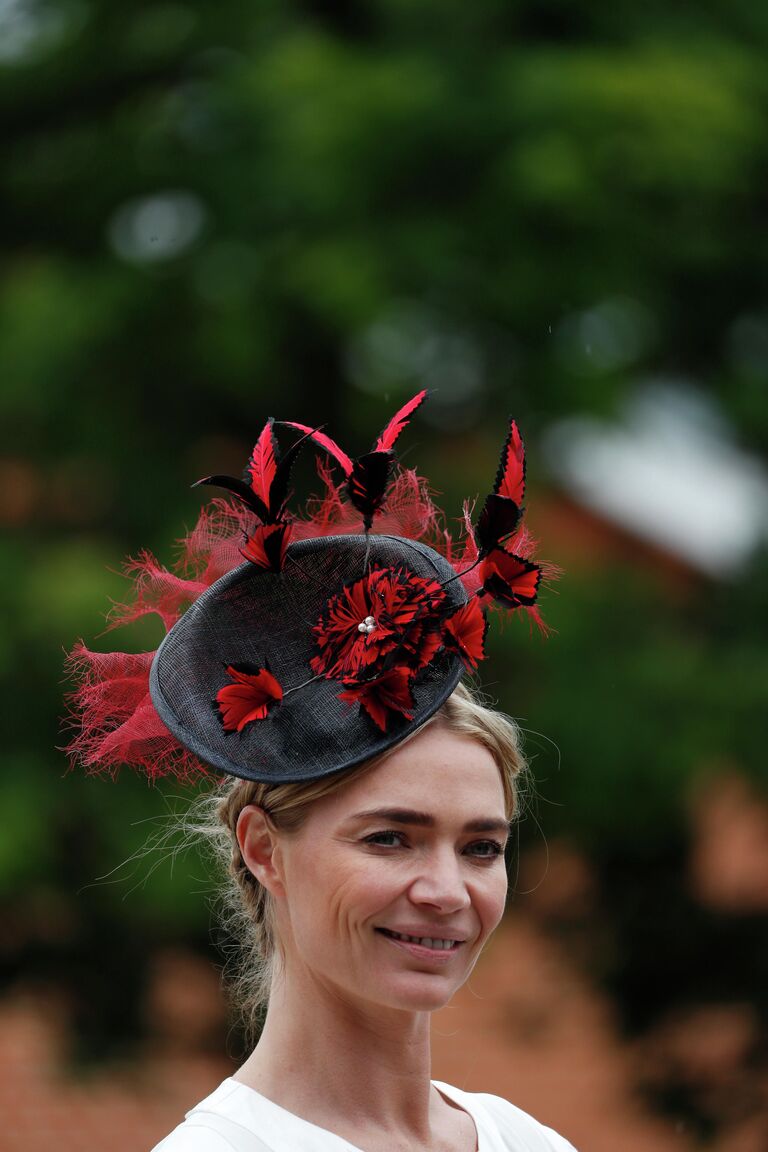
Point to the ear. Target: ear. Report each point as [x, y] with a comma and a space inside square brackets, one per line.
[260, 847]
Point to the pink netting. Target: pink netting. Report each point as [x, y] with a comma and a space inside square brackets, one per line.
[212, 548]
[407, 511]
[115, 720]
[157, 590]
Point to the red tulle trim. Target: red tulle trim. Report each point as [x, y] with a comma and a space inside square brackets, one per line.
[155, 590]
[408, 509]
[116, 721]
[462, 553]
[213, 546]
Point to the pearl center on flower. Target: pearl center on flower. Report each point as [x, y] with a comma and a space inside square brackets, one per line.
[367, 626]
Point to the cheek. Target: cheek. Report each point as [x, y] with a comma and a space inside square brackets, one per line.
[334, 900]
[491, 898]
[359, 895]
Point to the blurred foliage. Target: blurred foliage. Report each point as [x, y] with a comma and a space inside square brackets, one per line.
[212, 212]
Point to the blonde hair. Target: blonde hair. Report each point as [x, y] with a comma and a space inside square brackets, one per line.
[248, 914]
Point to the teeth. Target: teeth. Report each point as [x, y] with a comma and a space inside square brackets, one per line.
[425, 941]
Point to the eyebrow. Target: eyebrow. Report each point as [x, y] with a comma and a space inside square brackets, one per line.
[424, 820]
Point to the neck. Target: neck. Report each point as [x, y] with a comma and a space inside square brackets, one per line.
[323, 1057]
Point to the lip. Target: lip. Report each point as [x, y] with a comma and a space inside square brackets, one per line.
[433, 931]
[437, 955]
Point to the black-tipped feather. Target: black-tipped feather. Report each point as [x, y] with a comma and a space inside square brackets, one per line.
[498, 520]
[238, 488]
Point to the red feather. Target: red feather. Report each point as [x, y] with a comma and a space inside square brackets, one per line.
[408, 510]
[510, 478]
[386, 696]
[465, 633]
[267, 545]
[367, 485]
[422, 645]
[324, 441]
[262, 465]
[248, 699]
[510, 579]
[387, 439]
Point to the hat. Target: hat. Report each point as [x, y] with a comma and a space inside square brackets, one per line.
[302, 645]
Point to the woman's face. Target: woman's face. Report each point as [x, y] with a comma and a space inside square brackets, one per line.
[394, 883]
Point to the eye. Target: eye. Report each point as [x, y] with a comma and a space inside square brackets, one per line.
[387, 838]
[485, 849]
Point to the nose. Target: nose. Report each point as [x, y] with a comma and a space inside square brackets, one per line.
[440, 882]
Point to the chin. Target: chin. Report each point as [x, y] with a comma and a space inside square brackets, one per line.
[419, 992]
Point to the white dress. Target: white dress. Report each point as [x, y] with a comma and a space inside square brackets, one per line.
[235, 1118]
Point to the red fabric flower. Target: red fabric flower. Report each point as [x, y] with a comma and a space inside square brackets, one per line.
[422, 643]
[387, 610]
[248, 698]
[464, 633]
[267, 544]
[509, 579]
[387, 696]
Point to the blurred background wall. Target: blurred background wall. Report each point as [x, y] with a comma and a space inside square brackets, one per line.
[215, 212]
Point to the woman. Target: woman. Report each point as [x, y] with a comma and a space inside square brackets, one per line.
[365, 829]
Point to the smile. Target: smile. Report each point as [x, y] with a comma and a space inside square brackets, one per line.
[432, 942]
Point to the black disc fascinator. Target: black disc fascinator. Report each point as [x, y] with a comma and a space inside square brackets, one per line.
[301, 645]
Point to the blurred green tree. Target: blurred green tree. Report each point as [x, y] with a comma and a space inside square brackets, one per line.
[213, 212]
